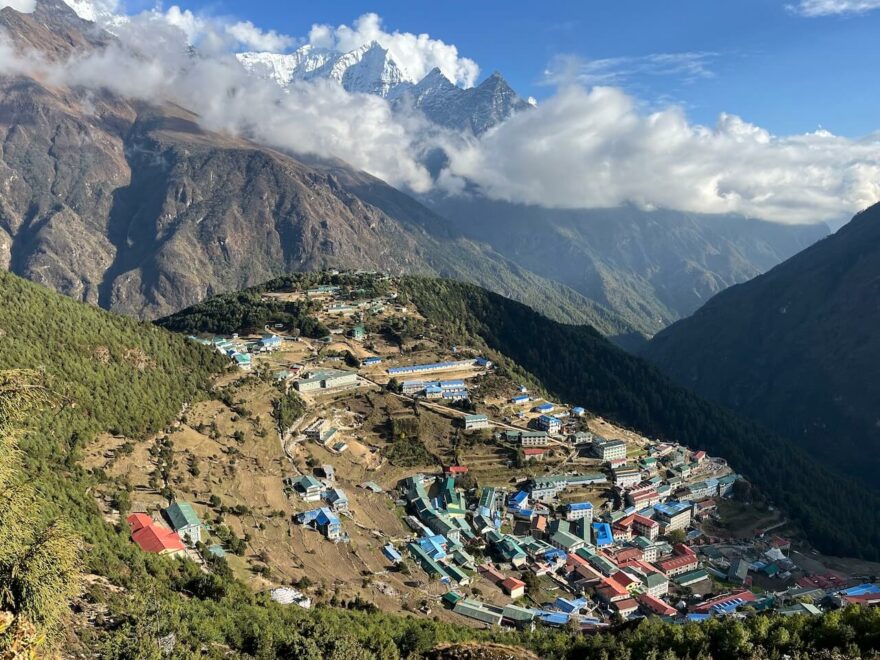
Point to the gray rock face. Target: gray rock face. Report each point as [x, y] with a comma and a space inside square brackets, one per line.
[476, 109]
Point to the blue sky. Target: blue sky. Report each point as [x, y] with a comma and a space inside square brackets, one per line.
[786, 72]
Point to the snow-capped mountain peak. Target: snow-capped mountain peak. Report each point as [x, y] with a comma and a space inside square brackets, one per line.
[372, 69]
[369, 69]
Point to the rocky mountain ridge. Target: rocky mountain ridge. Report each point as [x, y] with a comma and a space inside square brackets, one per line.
[371, 69]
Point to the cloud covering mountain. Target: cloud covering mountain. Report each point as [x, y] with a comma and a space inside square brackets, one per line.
[583, 147]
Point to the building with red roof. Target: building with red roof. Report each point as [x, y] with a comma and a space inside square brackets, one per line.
[539, 526]
[533, 453]
[780, 543]
[611, 591]
[490, 573]
[587, 574]
[626, 581]
[677, 565]
[643, 496]
[725, 602]
[625, 607]
[623, 555]
[653, 605]
[152, 537]
[454, 470]
[865, 600]
[683, 550]
[646, 527]
[513, 587]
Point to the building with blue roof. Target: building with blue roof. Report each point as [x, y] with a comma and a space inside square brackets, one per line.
[549, 423]
[553, 618]
[602, 534]
[371, 361]
[269, 343]
[428, 564]
[423, 368]
[433, 392]
[579, 511]
[337, 499]
[391, 554]
[862, 590]
[569, 606]
[520, 399]
[543, 408]
[434, 546]
[518, 499]
[673, 515]
[324, 520]
[487, 504]
[577, 411]
[328, 524]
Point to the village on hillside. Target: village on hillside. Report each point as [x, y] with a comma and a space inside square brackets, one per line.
[422, 476]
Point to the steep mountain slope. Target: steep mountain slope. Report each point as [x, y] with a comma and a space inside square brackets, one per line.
[651, 268]
[796, 348]
[136, 208]
[371, 69]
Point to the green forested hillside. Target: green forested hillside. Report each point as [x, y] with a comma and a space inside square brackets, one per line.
[796, 348]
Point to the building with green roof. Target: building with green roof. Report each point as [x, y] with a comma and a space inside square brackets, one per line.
[183, 519]
[518, 616]
[691, 577]
[476, 610]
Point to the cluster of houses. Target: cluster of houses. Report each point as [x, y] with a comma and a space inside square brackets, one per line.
[241, 352]
[324, 519]
[612, 564]
[445, 390]
[639, 554]
[321, 432]
[178, 527]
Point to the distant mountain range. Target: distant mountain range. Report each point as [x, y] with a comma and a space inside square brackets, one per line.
[135, 207]
[796, 348]
[371, 69]
[648, 267]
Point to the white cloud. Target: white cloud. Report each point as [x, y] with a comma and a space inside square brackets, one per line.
[583, 149]
[23, 6]
[833, 7]
[417, 54]
[253, 38]
[618, 71]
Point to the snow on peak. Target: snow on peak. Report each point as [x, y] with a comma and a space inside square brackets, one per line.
[369, 69]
